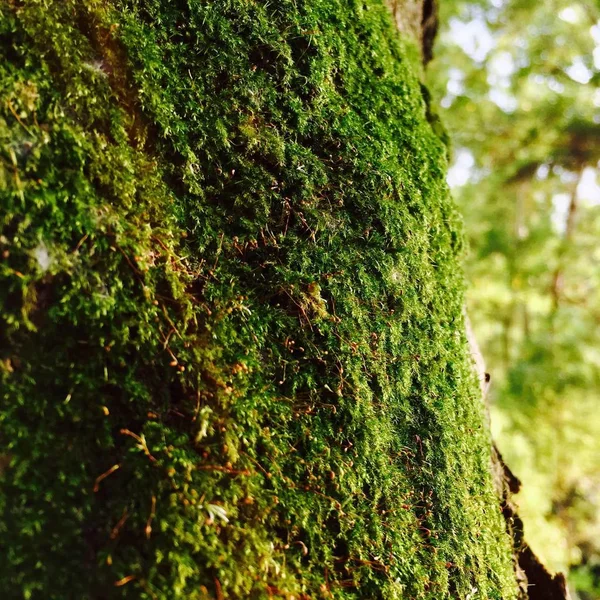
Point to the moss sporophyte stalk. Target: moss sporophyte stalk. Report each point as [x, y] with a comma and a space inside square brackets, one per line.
[232, 355]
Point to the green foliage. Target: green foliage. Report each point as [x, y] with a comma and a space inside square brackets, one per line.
[232, 352]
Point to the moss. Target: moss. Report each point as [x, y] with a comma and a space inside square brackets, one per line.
[232, 351]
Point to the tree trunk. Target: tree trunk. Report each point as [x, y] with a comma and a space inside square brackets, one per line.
[232, 349]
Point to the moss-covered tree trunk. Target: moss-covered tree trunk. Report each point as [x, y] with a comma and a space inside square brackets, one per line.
[232, 353]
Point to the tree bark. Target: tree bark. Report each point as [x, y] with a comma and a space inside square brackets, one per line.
[419, 20]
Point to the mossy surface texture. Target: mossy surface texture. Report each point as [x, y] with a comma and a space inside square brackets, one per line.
[232, 357]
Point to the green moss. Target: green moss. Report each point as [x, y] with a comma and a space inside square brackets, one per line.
[233, 361]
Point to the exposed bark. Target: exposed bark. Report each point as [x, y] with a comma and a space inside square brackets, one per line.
[477, 356]
[419, 19]
[541, 584]
[534, 580]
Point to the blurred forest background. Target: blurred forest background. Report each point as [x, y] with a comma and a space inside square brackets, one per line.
[518, 82]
